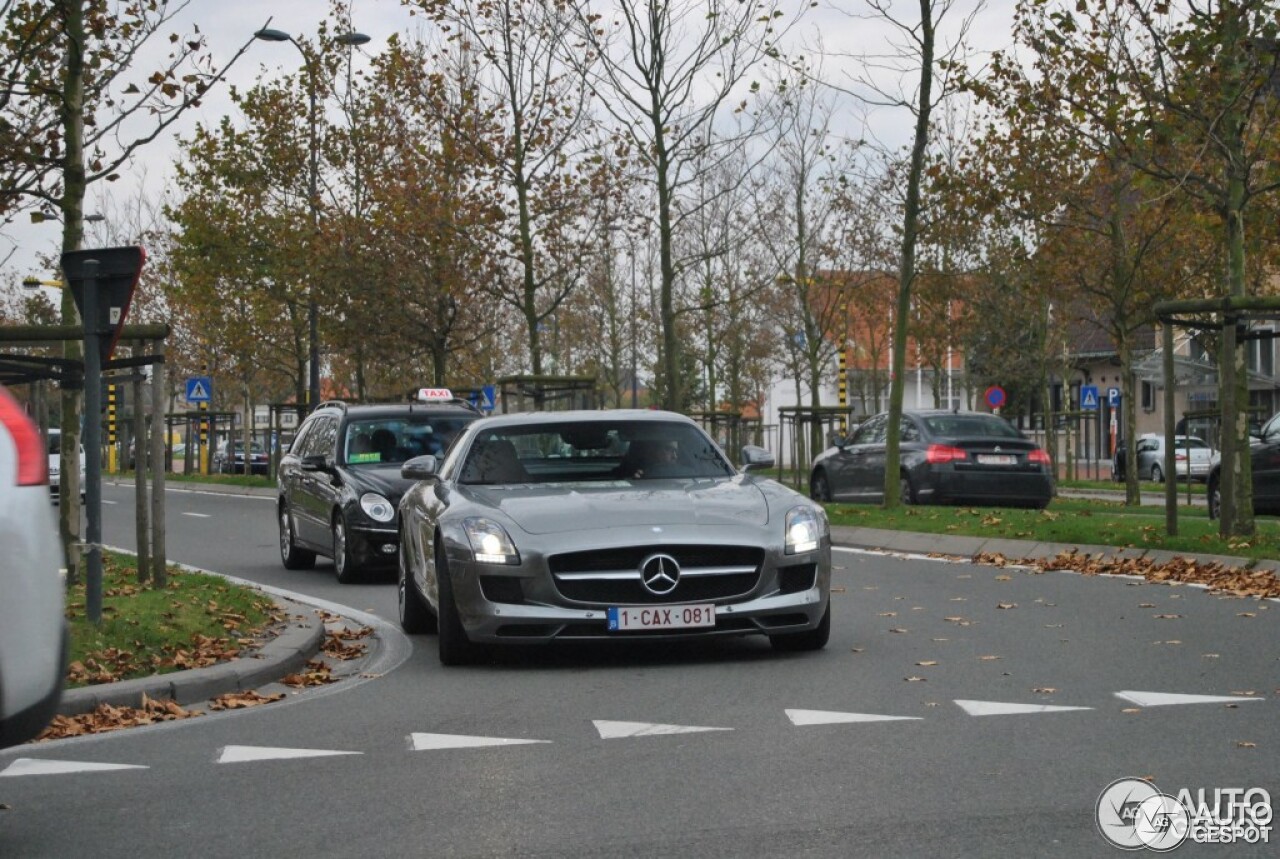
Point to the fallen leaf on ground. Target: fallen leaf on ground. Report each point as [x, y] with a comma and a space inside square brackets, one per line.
[243, 700]
[1131, 710]
[988, 658]
[1167, 616]
[927, 662]
[1045, 690]
[914, 679]
[887, 614]
[1245, 744]
[1006, 605]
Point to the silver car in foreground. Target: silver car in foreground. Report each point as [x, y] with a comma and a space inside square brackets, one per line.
[605, 525]
[32, 625]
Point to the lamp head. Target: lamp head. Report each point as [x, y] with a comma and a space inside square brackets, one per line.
[270, 35]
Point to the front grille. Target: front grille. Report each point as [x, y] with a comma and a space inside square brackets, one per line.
[612, 576]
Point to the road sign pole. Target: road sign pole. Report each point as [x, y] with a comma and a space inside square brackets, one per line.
[92, 445]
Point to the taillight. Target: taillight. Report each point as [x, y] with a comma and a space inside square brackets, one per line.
[1180, 457]
[940, 454]
[1038, 457]
[33, 462]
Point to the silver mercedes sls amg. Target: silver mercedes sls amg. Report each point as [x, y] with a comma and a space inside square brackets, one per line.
[601, 525]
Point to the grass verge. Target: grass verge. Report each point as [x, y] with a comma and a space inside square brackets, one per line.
[1071, 521]
[195, 620]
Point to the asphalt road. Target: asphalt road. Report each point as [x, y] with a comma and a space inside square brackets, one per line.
[601, 757]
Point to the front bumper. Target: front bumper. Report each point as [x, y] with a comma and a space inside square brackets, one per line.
[374, 545]
[523, 604]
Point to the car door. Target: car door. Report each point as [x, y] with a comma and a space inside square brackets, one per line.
[867, 469]
[1266, 467]
[839, 467]
[320, 484]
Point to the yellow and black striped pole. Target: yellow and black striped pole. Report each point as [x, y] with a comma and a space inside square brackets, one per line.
[842, 383]
[113, 463]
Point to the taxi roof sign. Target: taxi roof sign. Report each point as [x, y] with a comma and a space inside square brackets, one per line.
[427, 395]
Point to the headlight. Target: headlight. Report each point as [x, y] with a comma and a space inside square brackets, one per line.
[804, 530]
[490, 543]
[376, 507]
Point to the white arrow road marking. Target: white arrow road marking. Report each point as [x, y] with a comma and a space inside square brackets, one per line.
[427, 742]
[996, 708]
[36, 766]
[239, 754]
[829, 717]
[199, 515]
[615, 730]
[1160, 699]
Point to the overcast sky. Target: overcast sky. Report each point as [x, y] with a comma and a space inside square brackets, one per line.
[226, 24]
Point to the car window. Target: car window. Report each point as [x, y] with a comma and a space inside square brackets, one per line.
[872, 432]
[395, 439]
[55, 443]
[598, 450]
[908, 431]
[299, 442]
[970, 426]
[1148, 444]
[1191, 444]
[319, 439]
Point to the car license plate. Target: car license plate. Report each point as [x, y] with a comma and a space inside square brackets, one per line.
[661, 616]
[996, 459]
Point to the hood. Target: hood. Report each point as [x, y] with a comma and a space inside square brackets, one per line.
[385, 480]
[563, 507]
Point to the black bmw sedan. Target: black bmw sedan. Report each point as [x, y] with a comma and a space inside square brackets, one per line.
[945, 457]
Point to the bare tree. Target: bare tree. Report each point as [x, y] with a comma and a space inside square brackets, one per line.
[76, 108]
[670, 74]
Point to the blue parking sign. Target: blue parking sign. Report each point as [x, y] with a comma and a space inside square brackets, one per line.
[1113, 398]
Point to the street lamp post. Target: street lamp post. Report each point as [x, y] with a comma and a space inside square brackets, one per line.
[313, 199]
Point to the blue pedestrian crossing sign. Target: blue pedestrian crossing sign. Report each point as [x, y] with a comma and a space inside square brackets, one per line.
[1089, 398]
[487, 398]
[199, 389]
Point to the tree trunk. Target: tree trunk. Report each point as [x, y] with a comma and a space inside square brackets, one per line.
[911, 217]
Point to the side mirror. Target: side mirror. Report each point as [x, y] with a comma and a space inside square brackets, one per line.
[756, 458]
[420, 468]
[315, 462]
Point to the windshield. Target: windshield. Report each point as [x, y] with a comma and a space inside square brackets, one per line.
[378, 441]
[971, 426]
[597, 450]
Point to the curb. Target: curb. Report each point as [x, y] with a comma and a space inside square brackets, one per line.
[967, 547]
[287, 652]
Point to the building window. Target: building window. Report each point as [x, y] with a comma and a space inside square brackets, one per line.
[1261, 353]
[1148, 397]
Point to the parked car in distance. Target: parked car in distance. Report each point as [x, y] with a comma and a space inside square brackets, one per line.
[1264, 456]
[33, 638]
[229, 458]
[944, 457]
[339, 483]
[606, 525]
[1191, 458]
[55, 463]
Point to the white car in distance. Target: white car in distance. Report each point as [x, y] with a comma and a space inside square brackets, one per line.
[55, 463]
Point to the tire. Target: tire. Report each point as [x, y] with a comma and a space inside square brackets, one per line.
[455, 647]
[344, 563]
[291, 556]
[1214, 493]
[415, 614]
[1156, 474]
[905, 492]
[819, 489]
[813, 639]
